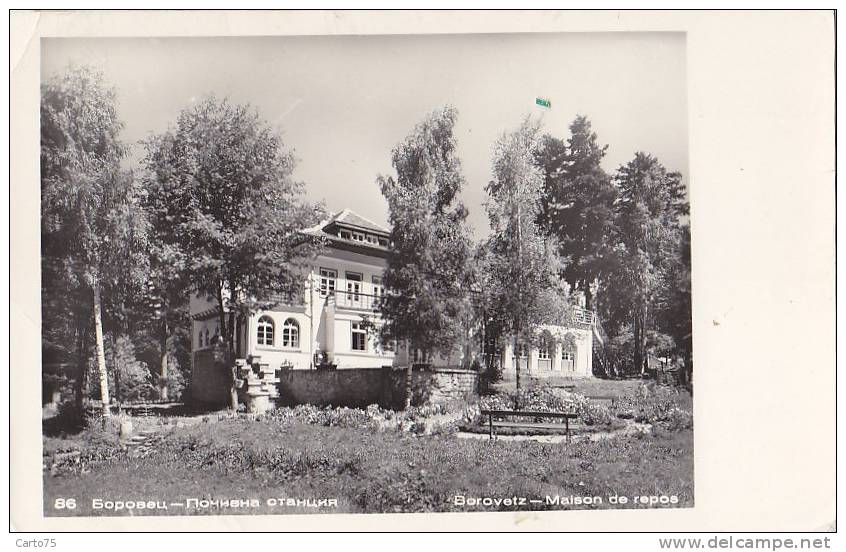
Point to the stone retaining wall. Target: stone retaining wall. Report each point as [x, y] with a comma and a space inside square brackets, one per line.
[210, 379]
[354, 387]
[431, 386]
[386, 386]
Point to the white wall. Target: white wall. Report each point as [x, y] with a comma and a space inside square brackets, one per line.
[327, 326]
[582, 366]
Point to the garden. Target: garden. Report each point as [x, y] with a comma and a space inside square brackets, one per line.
[307, 459]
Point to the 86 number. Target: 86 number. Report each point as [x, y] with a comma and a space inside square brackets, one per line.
[64, 504]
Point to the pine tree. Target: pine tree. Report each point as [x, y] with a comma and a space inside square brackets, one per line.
[650, 211]
[577, 204]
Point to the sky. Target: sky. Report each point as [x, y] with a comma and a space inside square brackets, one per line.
[343, 103]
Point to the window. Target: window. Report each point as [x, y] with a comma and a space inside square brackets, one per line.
[421, 356]
[358, 236]
[207, 337]
[345, 234]
[353, 287]
[568, 360]
[372, 239]
[327, 281]
[544, 358]
[378, 290]
[200, 338]
[383, 242]
[359, 337]
[388, 345]
[265, 331]
[291, 334]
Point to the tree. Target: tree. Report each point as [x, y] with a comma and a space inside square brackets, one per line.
[88, 207]
[577, 204]
[674, 313]
[522, 269]
[222, 194]
[649, 217]
[429, 265]
[165, 300]
[131, 376]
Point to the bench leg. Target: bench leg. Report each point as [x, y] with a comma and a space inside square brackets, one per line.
[567, 428]
[490, 426]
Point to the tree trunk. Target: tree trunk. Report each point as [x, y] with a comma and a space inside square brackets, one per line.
[231, 354]
[221, 311]
[517, 369]
[641, 356]
[229, 358]
[163, 387]
[81, 362]
[101, 356]
[239, 329]
[230, 336]
[408, 375]
[637, 360]
[233, 391]
[116, 365]
[517, 326]
[643, 338]
[588, 297]
[688, 372]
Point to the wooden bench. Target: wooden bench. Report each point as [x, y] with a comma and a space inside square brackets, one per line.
[493, 422]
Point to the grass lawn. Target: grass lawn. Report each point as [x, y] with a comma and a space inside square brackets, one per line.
[366, 471]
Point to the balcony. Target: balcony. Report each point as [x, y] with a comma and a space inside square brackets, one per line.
[355, 300]
[583, 316]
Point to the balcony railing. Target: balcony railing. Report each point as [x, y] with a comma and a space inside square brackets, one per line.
[351, 299]
[348, 299]
[583, 316]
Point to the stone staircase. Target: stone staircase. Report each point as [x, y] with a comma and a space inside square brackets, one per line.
[142, 443]
[258, 385]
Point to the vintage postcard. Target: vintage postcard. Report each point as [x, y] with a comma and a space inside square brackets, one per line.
[367, 273]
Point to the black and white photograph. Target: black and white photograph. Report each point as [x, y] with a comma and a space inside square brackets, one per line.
[431, 270]
[365, 274]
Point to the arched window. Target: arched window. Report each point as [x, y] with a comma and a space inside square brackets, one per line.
[265, 331]
[207, 337]
[291, 334]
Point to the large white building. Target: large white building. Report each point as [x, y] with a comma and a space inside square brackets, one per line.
[341, 297]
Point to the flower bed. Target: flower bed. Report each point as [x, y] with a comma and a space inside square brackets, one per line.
[428, 419]
[654, 404]
[541, 399]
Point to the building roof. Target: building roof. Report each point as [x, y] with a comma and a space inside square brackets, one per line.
[350, 221]
[349, 218]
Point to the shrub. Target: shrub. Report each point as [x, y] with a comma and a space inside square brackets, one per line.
[417, 419]
[542, 399]
[679, 419]
[653, 404]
